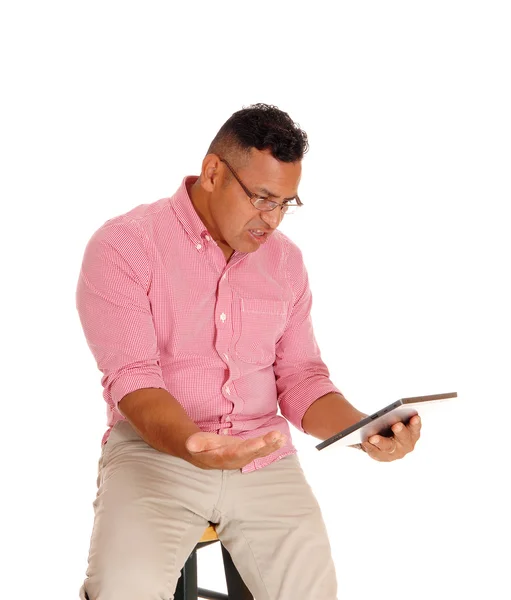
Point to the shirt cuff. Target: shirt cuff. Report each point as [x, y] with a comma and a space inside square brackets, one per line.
[132, 381]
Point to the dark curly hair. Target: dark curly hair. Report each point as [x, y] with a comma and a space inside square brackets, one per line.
[264, 127]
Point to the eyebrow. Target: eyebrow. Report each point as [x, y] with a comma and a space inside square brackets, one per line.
[265, 192]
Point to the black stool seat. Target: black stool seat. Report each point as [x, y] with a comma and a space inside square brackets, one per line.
[187, 588]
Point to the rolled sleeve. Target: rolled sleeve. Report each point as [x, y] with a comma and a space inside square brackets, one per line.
[301, 376]
[115, 312]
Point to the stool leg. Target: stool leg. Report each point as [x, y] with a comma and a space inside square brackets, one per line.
[236, 588]
[186, 588]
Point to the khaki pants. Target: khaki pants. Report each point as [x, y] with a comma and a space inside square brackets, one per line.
[152, 508]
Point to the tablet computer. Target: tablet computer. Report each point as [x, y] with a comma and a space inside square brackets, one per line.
[382, 420]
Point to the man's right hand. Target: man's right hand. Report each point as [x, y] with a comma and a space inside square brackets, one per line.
[162, 423]
[213, 451]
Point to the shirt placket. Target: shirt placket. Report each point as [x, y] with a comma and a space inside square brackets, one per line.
[225, 331]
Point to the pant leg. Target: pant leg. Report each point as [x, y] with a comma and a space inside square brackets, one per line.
[271, 524]
[150, 511]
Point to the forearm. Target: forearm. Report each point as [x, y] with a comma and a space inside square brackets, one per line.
[159, 419]
[328, 415]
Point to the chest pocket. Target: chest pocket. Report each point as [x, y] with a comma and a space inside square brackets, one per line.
[260, 326]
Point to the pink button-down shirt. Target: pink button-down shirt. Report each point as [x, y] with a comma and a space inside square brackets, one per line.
[231, 341]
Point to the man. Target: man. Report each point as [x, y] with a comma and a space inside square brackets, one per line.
[197, 310]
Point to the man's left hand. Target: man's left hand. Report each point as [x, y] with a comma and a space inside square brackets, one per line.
[387, 449]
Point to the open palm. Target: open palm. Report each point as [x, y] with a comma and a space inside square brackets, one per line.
[213, 451]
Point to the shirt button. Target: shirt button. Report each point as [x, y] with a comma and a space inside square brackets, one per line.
[224, 432]
[224, 276]
[208, 238]
[198, 246]
[226, 357]
[228, 419]
[223, 317]
[228, 391]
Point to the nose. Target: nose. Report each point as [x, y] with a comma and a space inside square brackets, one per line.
[272, 218]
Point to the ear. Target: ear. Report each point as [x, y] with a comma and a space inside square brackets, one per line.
[211, 173]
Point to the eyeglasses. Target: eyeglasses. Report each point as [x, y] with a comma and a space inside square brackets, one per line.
[265, 204]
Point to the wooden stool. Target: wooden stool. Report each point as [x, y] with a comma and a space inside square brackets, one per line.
[187, 588]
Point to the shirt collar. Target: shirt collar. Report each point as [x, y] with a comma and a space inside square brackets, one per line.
[187, 215]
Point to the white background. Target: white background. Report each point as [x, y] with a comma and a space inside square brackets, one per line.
[405, 233]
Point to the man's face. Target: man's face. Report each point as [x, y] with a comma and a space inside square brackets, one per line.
[232, 216]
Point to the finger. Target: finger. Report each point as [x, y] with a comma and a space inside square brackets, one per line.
[368, 448]
[390, 450]
[407, 435]
[382, 444]
[252, 446]
[402, 435]
[203, 442]
[267, 444]
[274, 437]
[415, 427]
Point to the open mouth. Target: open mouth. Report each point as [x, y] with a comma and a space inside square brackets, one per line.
[258, 235]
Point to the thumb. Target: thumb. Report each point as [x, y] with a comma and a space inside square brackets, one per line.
[202, 441]
[194, 444]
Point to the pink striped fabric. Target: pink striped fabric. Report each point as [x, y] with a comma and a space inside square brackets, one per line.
[232, 342]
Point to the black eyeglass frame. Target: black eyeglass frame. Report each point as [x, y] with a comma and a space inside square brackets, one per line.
[253, 196]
